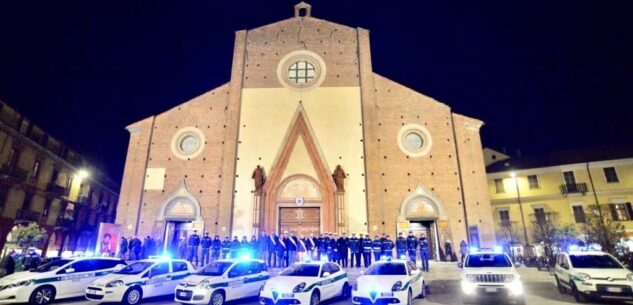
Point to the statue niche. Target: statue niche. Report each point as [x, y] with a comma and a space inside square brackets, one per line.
[339, 178]
[259, 178]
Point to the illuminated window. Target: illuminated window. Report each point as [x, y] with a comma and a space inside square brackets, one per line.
[302, 72]
[499, 187]
[620, 211]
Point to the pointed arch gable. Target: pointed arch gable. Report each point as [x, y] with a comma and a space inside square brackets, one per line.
[299, 127]
[180, 206]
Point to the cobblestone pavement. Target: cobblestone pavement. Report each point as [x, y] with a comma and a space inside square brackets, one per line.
[443, 289]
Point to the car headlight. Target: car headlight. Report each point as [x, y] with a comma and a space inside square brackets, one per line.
[469, 277]
[582, 277]
[115, 284]
[397, 286]
[203, 284]
[21, 283]
[299, 288]
[629, 277]
[516, 287]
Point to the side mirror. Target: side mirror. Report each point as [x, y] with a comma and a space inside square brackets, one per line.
[70, 270]
[460, 265]
[325, 274]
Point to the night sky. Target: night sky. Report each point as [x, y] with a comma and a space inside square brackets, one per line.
[543, 75]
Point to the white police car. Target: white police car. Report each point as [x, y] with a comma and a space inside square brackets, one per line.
[142, 279]
[58, 279]
[490, 275]
[389, 282]
[223, 280]
[306, 283]
[592, 275]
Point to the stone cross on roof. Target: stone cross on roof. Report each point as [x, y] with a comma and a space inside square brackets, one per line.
[303, 7]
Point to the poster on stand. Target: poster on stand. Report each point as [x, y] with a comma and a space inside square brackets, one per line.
[108, 240]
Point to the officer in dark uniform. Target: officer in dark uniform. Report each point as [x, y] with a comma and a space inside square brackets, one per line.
[387, 247]
[235, 247]
[281, 251]
[272, 250]
[194, 243]
[366, 245]
[424, 252]
[205, 244]
[412, 246]
[401, 246]
[216, 247]
[226, 247]
[377, 247]
[311, 245]
[354, 249]
[343, 249]
[253, 246]
[323, 242]
[333, 247]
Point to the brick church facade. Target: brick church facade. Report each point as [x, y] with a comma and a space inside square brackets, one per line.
[306, 137]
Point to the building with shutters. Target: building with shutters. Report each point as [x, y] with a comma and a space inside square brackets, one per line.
[306, 137]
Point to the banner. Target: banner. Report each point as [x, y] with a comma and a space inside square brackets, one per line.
[108, 240]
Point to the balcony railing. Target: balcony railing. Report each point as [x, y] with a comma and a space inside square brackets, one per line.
[7, 171]
[63, 223]
[54, 188]
[573, 188]
[28, 215]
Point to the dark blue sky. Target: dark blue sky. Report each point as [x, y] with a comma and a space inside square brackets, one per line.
[543, 75]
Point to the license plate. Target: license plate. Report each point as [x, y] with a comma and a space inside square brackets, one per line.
[614, 289]
[287, 295]
[386, 294]
[182, 294]
[489, 289]
[92, 291]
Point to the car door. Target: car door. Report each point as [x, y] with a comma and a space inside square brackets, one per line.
[157, 280]
[562, 269]
[76, 277]
[327, 280]
[412, 275]
[236, 284]
[255, 278]
[179, 271]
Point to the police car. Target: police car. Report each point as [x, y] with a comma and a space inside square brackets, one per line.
[389, 282]
[57, 279]
[145, 278]
[306, 283]
[592, 274]
[490, 275]
[223, 280]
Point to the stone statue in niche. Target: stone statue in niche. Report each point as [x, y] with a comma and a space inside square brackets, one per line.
[259, 177]
[339, 178]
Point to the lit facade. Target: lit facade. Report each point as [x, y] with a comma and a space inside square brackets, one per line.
[302, 101]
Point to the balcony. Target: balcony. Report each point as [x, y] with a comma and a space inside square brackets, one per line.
[566, 189]
[63, 223]
[53, 188]
[13, 172]
[26, 215]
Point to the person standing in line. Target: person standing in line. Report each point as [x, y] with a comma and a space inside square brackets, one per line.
[377, 247]
[226, 247]
[463, 249]
[130, 249]
[122, 247]
[272, 250]
[216, 248]
[281, 251]
[424, 252]
[310, 246]
[8, 263]
[235, 247]
[343, 250]
[401, 246]
[292, 248]
[254, 246]
[448, 250]
[137, 248]
[355, 250]
[194, 243]
[334, 247]
[412, 246]
[323, 244]
[206, 244]
[182, 248]
[366, 244]
[387, 247]
[302, 248]
[262, 247]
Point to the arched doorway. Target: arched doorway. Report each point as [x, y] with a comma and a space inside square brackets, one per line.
[179, 215]
[299, 202]
[423, 213]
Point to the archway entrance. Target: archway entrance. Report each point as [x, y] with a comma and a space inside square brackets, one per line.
[423, 212]
[299, 205]
[178, 217]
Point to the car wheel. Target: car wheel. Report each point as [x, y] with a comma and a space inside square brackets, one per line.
[315, 298]
[42, 295]
[409, 297]
[423, 292]
[217, 298]
[580, 298]
[346, 292]
[133, 296]
[560, 287]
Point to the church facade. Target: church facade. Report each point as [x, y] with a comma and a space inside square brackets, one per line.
[306, 137]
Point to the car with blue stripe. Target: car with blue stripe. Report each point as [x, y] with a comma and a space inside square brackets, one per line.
[58, 279]
[389, 282]
[309, 282]
[140, 280]
[223, 280]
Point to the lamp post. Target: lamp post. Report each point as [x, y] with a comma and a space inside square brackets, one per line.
[516, 184]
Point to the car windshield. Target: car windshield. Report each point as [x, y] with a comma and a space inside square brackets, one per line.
[594, 262]
[387, 269]
[487, 260]
[135, 268]
[50, 266]
[215, 268]
[301, 270]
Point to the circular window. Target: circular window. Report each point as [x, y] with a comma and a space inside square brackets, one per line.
[301, 70]
[187, 143]
[414, 140]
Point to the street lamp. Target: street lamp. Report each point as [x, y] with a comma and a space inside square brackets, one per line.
[516, 184]
[83, 174]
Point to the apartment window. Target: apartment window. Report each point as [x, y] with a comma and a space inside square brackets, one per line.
[533, 181]
[570, 179]
[499, 186]
[539, 214]
[36, 169]
[611, 175]
[620, 211]
[579, 214]
[14, 154]
[504, 217]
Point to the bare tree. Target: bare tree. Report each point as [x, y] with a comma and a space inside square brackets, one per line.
[547, 230]
[602, 229]
[510, 233]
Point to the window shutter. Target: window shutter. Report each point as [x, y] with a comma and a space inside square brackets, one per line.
[614, 213]
[629, 210]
